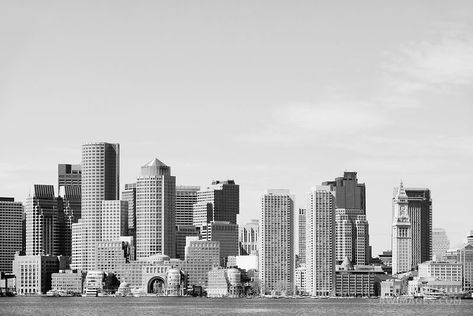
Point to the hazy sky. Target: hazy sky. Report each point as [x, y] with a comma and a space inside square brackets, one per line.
[273, 94]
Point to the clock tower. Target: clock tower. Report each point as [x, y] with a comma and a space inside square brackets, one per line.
[401, 233]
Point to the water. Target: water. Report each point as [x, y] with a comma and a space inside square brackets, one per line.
[204, 306]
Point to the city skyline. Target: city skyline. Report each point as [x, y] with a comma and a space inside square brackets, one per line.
[272, 95]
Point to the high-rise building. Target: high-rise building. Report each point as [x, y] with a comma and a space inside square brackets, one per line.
[69, 201]
[440, 244]
[401, 233]
[11, 214]
[100, 181]
[182, 232]
[129, 195]
[351, 226]
[69, 175]
[420, 213]
[276, 244]
[218, 202]
[224, 232]
[249, 237]
[155, 211]
[301, 236]
[320, 241]
[44, 222]
[114, 219]
[186, 197]
[201, 256]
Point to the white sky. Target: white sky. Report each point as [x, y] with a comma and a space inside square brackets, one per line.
[273, 94]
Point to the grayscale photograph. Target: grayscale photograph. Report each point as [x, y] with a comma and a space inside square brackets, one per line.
[236, 157]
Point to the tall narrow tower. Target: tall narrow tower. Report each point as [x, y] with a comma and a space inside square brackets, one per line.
[401, 233]
[155, 211]
[100, 181]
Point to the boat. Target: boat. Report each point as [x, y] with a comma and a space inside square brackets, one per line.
[52, 293]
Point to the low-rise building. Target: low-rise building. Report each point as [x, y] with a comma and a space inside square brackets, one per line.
[94, 281]
[391, 288]
[355, 281]
[217, 283]
[442, 270]
[300, 280]
[33, 273]
[68, 281]
[420, 286]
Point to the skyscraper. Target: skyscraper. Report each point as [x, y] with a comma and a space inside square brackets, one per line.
[218, 202]
[114, 220]
[440, 243]
[100, 181]
[401, 233]
[420, 214]
[301, 236]
[186, 197]
[276, 245]
[249, 235]
[69, 174]
[155, 211]
[320, 242]
[11, 214]
[352, 229]
[44, 221]
[224, 232]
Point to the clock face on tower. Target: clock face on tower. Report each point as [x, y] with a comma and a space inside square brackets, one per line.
[403, 209]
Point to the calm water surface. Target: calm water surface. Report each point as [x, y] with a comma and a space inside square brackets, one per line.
[204, 306]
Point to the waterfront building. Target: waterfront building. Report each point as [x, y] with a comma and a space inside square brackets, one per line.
[182, 232]
[440, 243]
[391, 288]
[249, 237]
[186, 197]
[110, 255]
[301, 236]
[356, 281]
[465, 257]
[419, 209]
[218, 202]
[217, 282]
[69, 174]
[163, 276]
[200, 257]
[224, 232]
[401, 233]
[129, 195]
[131, 272]
[320, 242]
[155, 210]
[33, 273]
[100, 181]
[421, 286]
[11, 222]
[276, 242]
[94, 281]
[67, 281]
[300, 280]
[351, 226]
[441, 270]
[114, 219]
[44, 222]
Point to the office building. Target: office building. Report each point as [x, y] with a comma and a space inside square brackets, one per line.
[224, 232]
[186, 197]
[451, 271]
[218, 202]
[11, 222]
[33, 273]
[200, 257]
[111, 254]
[440, 244]
[249, 237]
[355, 281]
[114, 219]
[155, 211]
[351, 226]
[320, 242]
[67, 281]
[129, 195]
[44, 222]
[69, 174]
[401, 233]
[100, 181]
[419, 208]
[301, 236]
[182, 232]
[276, 246]
[465, 257]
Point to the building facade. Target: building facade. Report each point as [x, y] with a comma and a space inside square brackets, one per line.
[11, 215]
[218, 202]
[33, 273]
[249, 238]
[69, 174]
[155, 210]
[114, 220]
[320, 242]
[276, 243]
[129, 195]
[301, 236]
[401, 233]
[186, 197]
[200, 257]
[440, 243]
[67, 281]
[182, 232]
[100, 181]
[224, 232]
